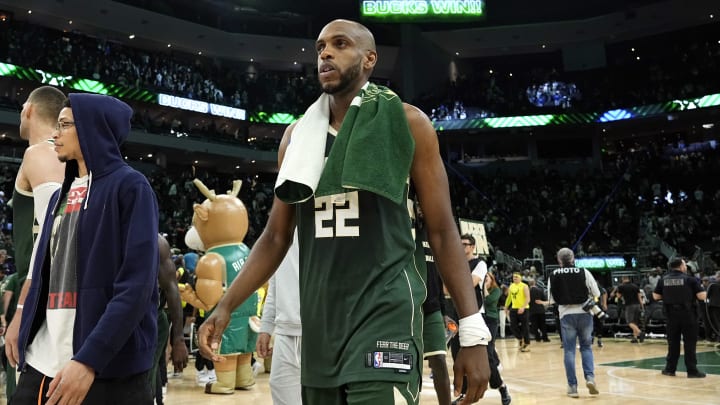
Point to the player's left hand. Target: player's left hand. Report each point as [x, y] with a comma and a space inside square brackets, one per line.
[473, 363]
[179, 355]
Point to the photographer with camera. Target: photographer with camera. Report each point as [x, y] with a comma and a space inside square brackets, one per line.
[574, 290]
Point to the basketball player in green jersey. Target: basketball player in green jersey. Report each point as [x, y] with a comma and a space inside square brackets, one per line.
[361, 292]
[40, 174]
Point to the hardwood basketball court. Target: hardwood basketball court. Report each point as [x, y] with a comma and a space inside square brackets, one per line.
[625, 373]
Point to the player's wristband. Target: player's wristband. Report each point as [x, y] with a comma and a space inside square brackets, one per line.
[473, 331]
[19, 306]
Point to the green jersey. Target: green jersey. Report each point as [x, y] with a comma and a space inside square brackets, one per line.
[238, 337]
[12, 284]
[25, 229]
[361, 292]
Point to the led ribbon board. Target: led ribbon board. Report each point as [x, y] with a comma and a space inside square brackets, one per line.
[132, 93]
[644, 111]
[87, 85]
[422, 10]
[188, 104]
[277, 118]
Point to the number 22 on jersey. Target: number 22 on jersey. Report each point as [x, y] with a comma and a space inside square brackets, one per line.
[332, 213]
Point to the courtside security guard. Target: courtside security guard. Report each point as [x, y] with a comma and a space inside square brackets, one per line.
[679, 293]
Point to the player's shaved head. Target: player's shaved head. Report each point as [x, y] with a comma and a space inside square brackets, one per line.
[43, 105]
[346, 48]
[48, 102]
[359, 33]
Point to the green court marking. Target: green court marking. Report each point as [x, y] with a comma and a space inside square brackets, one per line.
[708, 362]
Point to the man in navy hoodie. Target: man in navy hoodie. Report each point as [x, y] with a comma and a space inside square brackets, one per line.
[89, 312]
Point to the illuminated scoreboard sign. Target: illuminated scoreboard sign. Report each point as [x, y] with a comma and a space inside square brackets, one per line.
[422, 10]
[605, 262]
[168, 100]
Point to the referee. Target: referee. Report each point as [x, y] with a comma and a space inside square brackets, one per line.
[679, 293]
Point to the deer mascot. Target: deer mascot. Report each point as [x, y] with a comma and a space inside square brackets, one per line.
[221, 222]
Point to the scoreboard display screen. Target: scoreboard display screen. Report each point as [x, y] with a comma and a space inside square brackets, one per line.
[422, 10]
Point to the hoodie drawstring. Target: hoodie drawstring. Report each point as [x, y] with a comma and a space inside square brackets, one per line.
[87, 193]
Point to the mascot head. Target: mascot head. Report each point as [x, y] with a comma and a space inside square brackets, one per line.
[220, 219]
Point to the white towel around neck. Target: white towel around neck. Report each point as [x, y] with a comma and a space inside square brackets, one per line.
[305, 154]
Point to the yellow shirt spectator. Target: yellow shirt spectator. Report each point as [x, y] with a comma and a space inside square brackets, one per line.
[518, 294]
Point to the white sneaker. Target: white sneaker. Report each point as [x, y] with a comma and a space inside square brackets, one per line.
[258, 368]
[201, 378]
[211, 376]
[202, 382]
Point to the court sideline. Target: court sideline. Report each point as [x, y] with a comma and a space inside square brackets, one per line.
[625, 373]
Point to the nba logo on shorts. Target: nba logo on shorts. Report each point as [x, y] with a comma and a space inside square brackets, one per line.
[378, 362]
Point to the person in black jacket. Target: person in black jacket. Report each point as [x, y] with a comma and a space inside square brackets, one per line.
[537, 312]
[679, 292]
[434, 324]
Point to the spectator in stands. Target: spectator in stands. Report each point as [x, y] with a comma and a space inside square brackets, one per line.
[654, 277]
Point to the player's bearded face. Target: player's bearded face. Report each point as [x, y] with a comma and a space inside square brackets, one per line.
[347, 78]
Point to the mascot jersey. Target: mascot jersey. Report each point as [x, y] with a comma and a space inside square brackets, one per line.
[237, 338]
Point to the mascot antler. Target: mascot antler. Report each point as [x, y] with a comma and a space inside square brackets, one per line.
[204, 190]
[237, 184]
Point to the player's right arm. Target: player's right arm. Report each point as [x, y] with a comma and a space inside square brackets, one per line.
[264, 259]
[43, 173]
[13, 330]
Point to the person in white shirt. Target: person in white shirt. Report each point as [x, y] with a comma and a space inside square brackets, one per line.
[281, 318]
